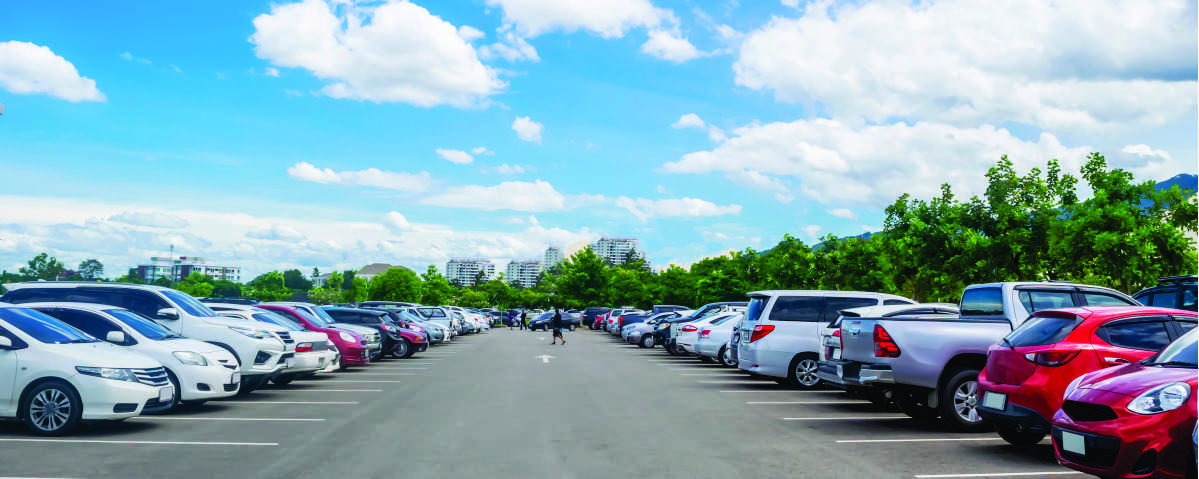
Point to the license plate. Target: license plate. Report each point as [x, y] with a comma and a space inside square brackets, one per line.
[840, 371]
[320, 362]
[236, 378]
[836, 353]
[993, 400]
[166, 394]
[291, 362]
[1075, 443]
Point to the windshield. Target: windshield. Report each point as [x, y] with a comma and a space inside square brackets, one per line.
[188, 304]
[318, 322]
[433, 313]
[278, 319]
[757, 304]
[42, 327]
[411, 318]
[725, 319]
[319, 312]
[1183, 351]
[143, 325]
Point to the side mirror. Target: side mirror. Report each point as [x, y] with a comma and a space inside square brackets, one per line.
[168, 314]
[116, 337]
[5, 343]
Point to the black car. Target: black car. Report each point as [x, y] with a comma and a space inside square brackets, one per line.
[393, 342]
[1176, 292]
[545, 322]
[591, 313]
[663, 334]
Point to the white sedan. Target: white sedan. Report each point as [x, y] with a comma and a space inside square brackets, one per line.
[714, 338]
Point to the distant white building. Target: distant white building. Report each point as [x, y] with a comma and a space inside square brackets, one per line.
[374, 269]
[615, 250]
[524, 273]
[178, 269]
[465, 271]
[553, 256]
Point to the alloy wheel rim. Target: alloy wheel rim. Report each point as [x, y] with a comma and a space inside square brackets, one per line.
[728, 357]
[50, 409]
[806, 372]
[965, 401]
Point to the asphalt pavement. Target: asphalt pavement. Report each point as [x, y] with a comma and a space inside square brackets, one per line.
[507, 404]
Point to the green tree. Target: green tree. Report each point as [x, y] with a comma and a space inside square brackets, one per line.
[357, 292]
[223, 288]
[91, 270]
[162, 281]
[435, 290]
[316, 273]
[674, 285]
[43, 267]
[474, 299]
[324, 296]
[584, 278]
[397, 284]
[498, 292]
[294, 280]
[347, 279]
[626, 287]
[335, 283]
[788, 265]
[267, 287]
[197, 285]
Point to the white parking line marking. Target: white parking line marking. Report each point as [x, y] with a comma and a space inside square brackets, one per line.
[931, 439]
[737, 381]
[357, 381]
[372, 374]
[844, 418]
[778, 391]
[390, 368]
[335, 390]
[286, 402]
[780, 403]
[1000, 474]
[712, 374]
[169, 443]
[256, 419]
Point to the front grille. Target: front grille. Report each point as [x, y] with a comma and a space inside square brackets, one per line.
[231, 387]
[152, 376]
[366, 355]
[1085, 411]
[285, 337]
[124, 407]
[283, 359]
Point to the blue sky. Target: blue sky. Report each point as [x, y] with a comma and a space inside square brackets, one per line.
[302, 134]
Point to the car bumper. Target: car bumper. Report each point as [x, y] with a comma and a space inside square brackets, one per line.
[1022, 408]
[103, 398]
[707, 348]
[270, 366]
[854, 374]
[308, 362]
[356, 355]
[1114, 447]
[763, 362]
[206, 382]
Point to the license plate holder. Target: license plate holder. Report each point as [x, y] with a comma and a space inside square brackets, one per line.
[166, 394]
[994, 400]
[1075, 443]
[290, 363]
[235, 378]
[836, 353]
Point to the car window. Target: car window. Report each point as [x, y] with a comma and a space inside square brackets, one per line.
[370, 318]
[1100, 299]
[431, 312]
[1188, 300]
[1043, 330]
[1183, 350]
[895, 302]
[1034, 301]
[318, 322]
[1147, 335]
[796, 308]
[1184, 323]
[833, 305]
[188, 304]
[982, 302]
[36, 295]
[1161, 299]
[92, 324]
[145, 304]
[279, 319]
[143, 325]
[341, 316]
[42, 327]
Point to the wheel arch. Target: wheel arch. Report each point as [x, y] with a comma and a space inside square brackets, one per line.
[42, 380]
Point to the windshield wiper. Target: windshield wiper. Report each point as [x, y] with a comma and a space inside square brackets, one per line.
[1173, 364]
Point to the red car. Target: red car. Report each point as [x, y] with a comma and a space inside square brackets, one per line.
[1133, 421]
[352, 347]
[1027, 372]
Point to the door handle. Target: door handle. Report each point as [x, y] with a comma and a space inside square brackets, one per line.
[1114, 361]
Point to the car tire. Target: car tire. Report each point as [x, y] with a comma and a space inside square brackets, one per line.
[705, 359]
[670, 350]
[914, 406]
[284, 379]
[1019, 437]
[802, 373]
[727, 358]
[959, 402]
[572, 327]
[42, 409]
[647, 341]
[175, 398]
[248, 386]
[403, 350]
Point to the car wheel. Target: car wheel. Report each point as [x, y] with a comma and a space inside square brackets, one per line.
[403, 350]
[1017, 436]
[647, 341]
[670, 350]
[248, 386]
[52, 408]
[959, 401]
[705, 359]
[914, 405]
[803, 372]
[727, 358]
[284, 379]
[572, 327]
[174, 398]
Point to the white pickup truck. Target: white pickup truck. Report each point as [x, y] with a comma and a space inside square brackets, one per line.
[929, 365]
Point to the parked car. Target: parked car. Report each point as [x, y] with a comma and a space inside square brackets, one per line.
[59, 376]
[374, 340]
[1133, 421]
[712, 345]
[630, 322]
[439, 316]
[1176, 292]
[311, 350]
[930, 367]
[591, 314]
[406, 319]
[642, 334]
[1027, 372]
[399, 342]
[663, 308]
[198, 371]
[259, 352]
[379, 304]
[353, 348]
[689, 333]
[667, 331]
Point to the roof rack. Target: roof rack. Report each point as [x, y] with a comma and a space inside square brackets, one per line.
[1189, 278]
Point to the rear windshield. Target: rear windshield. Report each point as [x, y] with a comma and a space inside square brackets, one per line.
[757, 304]
[982, 302]
[42, 327]
[1034, 301]
[1043, 330]
[318, 322]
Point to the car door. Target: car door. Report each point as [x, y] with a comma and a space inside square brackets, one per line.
[1125, 340]
[9, 359]
[833, 306]
[796, 320]
[91, 323]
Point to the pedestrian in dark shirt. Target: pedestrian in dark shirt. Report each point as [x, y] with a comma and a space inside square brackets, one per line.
[524, 319]
[557, 323]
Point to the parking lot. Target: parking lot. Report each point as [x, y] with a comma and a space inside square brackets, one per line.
[508, 404]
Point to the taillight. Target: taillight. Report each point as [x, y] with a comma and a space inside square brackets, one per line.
[884, 346]
[620, 321]
[1051, 358]
[705, 333]
[760, 331]
[303, 347]
[837, 334]
[689, 328]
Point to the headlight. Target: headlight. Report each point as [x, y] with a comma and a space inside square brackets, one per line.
[1071, 387]
[347, 337]
[253, 333]
[116, 374]
[188, 357]
[1161, 399]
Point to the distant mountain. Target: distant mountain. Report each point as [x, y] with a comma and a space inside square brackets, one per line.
[1183, 180]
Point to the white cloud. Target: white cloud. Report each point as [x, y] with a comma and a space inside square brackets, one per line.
[481, 150]
[277, 233]
[411, 182]
[689, 120]
[764, 184]
[271, 72]
[455, 156]
[469, 34]
[662, 190]
[395, 52]
[1145, 151]
[670, 46]
[510, 47]
[396, 222]
[1118, 63]
[812, 232]
[127, 56]
[510, 195]
[843, 213]
[176, 69]
[715, 134]
[836, 162]
[608, 19]
[527, 129]
[506, 169]
[644, 209]
[26, 68]
[130, 58]
[153, 219]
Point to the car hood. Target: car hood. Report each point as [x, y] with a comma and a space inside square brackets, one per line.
[1134, 379]
[246, 324]
[105, 355]
[354, 328]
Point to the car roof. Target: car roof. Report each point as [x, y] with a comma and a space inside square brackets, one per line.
[1111, 311]
[235, 306]
[822, 292]
[93, 307]
[882, 310]
[76, 284]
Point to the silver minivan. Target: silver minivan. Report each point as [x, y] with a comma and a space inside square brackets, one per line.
[780, 334]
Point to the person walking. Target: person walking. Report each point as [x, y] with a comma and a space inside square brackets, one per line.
[557, 324]
[524, 319]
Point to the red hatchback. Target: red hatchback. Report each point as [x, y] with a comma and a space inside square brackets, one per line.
[1133, 421]
[1028, 371]
[351, 346]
